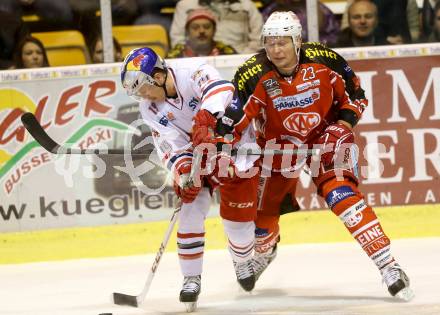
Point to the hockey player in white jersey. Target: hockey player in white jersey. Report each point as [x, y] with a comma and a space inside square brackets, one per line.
[169, 99]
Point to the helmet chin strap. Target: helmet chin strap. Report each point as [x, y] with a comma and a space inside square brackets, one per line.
[164, 86]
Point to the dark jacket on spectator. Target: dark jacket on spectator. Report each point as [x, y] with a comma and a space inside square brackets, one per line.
[12, 31]
[345, 39]
[392, 19]
[180, 51]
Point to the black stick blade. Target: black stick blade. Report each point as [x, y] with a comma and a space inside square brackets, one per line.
[125, 299]
[32, 125]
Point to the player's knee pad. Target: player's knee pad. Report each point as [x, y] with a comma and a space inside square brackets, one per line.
[346, 201]
[340, 196]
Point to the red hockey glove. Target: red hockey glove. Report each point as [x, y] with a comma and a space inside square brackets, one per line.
[335, 137]
[185, 190]
[223, 168]
[203, 128]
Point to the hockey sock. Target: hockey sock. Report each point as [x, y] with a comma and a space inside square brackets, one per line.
[348, 204]
[240, 239]
[190, 248]
[267, 233]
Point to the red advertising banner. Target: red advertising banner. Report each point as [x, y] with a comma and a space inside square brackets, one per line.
[399, 134]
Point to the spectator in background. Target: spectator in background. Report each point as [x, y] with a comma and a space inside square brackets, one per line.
[30, 53]
[97, 50]
[12, 30]
[149, 12]
[57, 12]
[428, 18]
[398, 20]
[435, 33]
[413, 17]
[200, 29]
[123, 13]
[328, 24]
[239, 22]
[362, 23]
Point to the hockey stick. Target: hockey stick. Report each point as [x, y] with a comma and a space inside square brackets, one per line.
[32, 125]
[137, 300]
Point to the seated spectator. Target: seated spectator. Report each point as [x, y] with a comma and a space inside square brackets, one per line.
[398, 20]
[30, 53]
[362, 23]
[56, 12]
[200, 29]
[97, 50]
[434, 37]
[328, 24]
[12, 30]
[239, 22]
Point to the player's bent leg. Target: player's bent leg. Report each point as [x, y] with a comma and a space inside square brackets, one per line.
[272, 194]
[266, 238]
[347, 202]
[241, 245]
[238, 209]
[190, 246]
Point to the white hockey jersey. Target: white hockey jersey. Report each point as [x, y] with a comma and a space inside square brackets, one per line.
[198, 86]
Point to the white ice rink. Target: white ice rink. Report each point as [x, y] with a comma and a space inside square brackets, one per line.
[336, 279]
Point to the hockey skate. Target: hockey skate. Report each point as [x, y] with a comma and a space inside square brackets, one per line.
[397, 282]
[245, 274]
[190, 292]
[262, 260]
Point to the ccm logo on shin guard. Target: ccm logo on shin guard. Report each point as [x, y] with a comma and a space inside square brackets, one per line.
[338, 194]
[241, 205]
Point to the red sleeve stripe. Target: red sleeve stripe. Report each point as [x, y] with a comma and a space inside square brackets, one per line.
[205, 85]
[212, 84]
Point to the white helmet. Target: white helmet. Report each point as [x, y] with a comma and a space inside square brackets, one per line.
[283, 24]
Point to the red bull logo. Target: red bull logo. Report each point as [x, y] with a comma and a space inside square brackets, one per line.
[135, 64]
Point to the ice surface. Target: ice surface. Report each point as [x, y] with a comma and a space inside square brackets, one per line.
[329, 279]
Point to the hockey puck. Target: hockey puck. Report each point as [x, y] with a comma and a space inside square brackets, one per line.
[105, 314]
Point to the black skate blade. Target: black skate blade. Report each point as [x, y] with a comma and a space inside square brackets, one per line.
[125, 299]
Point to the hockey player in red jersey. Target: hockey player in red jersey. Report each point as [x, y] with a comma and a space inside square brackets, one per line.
[305, 95]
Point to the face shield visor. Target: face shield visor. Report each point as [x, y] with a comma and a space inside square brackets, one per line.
[137, 71]
[134, 83]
